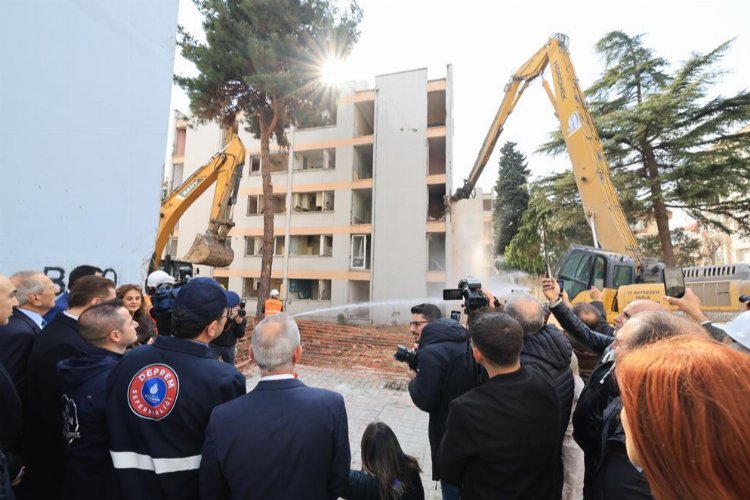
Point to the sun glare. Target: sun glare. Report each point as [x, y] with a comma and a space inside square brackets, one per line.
[332, 71]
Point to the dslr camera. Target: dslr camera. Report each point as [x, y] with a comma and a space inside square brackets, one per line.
[405, 355]
[242, 312]
[470, 291]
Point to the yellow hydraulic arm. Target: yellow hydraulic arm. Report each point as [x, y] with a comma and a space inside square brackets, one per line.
[600, 203]
[212, 248]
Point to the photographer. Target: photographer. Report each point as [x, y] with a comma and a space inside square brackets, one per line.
[444, 371]
[223, 347]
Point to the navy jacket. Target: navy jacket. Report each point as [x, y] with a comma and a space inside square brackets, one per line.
[445, 370]
[159, 400]
[16, 340]
[550, 351]
[44, 448]
[283, 440]
[84, 384]
[364, 486]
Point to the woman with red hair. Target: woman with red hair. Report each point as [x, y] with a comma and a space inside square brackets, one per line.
[686, 410]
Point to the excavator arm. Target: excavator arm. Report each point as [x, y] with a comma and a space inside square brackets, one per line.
[212, 248]
[598, 196]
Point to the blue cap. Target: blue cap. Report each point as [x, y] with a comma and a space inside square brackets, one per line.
[201, 300]
[233, 300]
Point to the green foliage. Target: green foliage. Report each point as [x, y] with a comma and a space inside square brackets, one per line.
[262, 59]
[669, 138]
[552, 222]
[511, 195]
[687, 247]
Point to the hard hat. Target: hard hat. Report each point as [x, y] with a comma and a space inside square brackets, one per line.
[274, 293]
[159, 278]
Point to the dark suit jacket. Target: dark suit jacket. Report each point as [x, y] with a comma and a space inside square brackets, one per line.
[282, 440]
[44, 448]
[16, 340]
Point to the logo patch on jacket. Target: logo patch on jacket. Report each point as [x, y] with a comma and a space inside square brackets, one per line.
[153, 391]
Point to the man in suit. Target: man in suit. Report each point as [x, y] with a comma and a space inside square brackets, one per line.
[281, 440]
[10, 409]
[36, 296]
[502, 439]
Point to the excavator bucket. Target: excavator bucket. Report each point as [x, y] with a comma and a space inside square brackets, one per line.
[208, 250]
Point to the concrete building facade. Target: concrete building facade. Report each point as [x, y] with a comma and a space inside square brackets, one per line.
[359, 205]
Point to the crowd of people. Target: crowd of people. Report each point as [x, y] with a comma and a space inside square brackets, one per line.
[103, 398]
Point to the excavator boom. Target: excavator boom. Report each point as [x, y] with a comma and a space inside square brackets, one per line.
[213, 247]
[598, 196]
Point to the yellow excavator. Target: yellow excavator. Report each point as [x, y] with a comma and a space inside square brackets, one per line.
[212, 248]
[615, 262]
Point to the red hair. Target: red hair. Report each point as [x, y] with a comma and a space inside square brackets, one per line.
[687, 401]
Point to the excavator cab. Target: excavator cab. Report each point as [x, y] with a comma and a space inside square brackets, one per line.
[582, 267]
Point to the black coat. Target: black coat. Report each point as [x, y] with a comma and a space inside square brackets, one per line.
[11, 421]
[44, 448]
[16, 341]
[550, 351]
[364, 486]
[445, 370]
[615, 477]
[231, 333]
[598, 393]
[501, 439]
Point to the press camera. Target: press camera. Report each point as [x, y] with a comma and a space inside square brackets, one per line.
[470, 291]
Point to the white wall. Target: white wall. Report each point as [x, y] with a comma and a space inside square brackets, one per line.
[84, 101]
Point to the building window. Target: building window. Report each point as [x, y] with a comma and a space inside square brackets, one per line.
[436, 251]
[360, 251]
[311, 245]
[316, 201]
[310, 289]
[254, 246]
[250, 287]
[254, 165]
[255, 204]
[321, 159]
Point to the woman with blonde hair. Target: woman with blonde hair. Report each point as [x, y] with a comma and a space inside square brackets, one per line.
[132, 299]
[686, 402]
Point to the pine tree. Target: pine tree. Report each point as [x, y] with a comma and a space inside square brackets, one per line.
[672, 141]
[261, 62]
[511, 195]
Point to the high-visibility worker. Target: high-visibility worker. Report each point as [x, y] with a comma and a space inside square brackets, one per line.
[273, 305]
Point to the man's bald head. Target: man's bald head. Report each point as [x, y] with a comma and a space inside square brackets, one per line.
[650, 326]
[7, 299]
[636, 307]
[528, 311]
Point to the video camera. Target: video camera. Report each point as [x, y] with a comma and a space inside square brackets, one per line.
[470, 290]
[405, 355]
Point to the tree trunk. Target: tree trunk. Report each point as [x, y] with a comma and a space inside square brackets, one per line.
[266, 130]
[658, 206]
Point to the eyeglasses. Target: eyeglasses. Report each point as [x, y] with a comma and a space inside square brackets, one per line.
[417, 323]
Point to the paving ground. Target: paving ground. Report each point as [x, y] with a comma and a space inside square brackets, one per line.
[373, 396]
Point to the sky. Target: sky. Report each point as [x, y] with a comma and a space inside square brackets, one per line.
[486, 42]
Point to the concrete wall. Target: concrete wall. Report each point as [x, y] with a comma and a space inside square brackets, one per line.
[85, 111]
[399, 242]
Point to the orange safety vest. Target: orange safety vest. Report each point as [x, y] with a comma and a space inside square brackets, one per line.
[273, 306]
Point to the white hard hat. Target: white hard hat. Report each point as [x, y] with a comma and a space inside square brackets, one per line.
[159, 278]
[274, 293]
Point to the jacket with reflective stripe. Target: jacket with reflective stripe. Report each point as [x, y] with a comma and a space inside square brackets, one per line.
[159, 456]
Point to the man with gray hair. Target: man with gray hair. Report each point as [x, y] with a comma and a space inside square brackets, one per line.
[546, 349]
[281, 440]
[36, 296]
